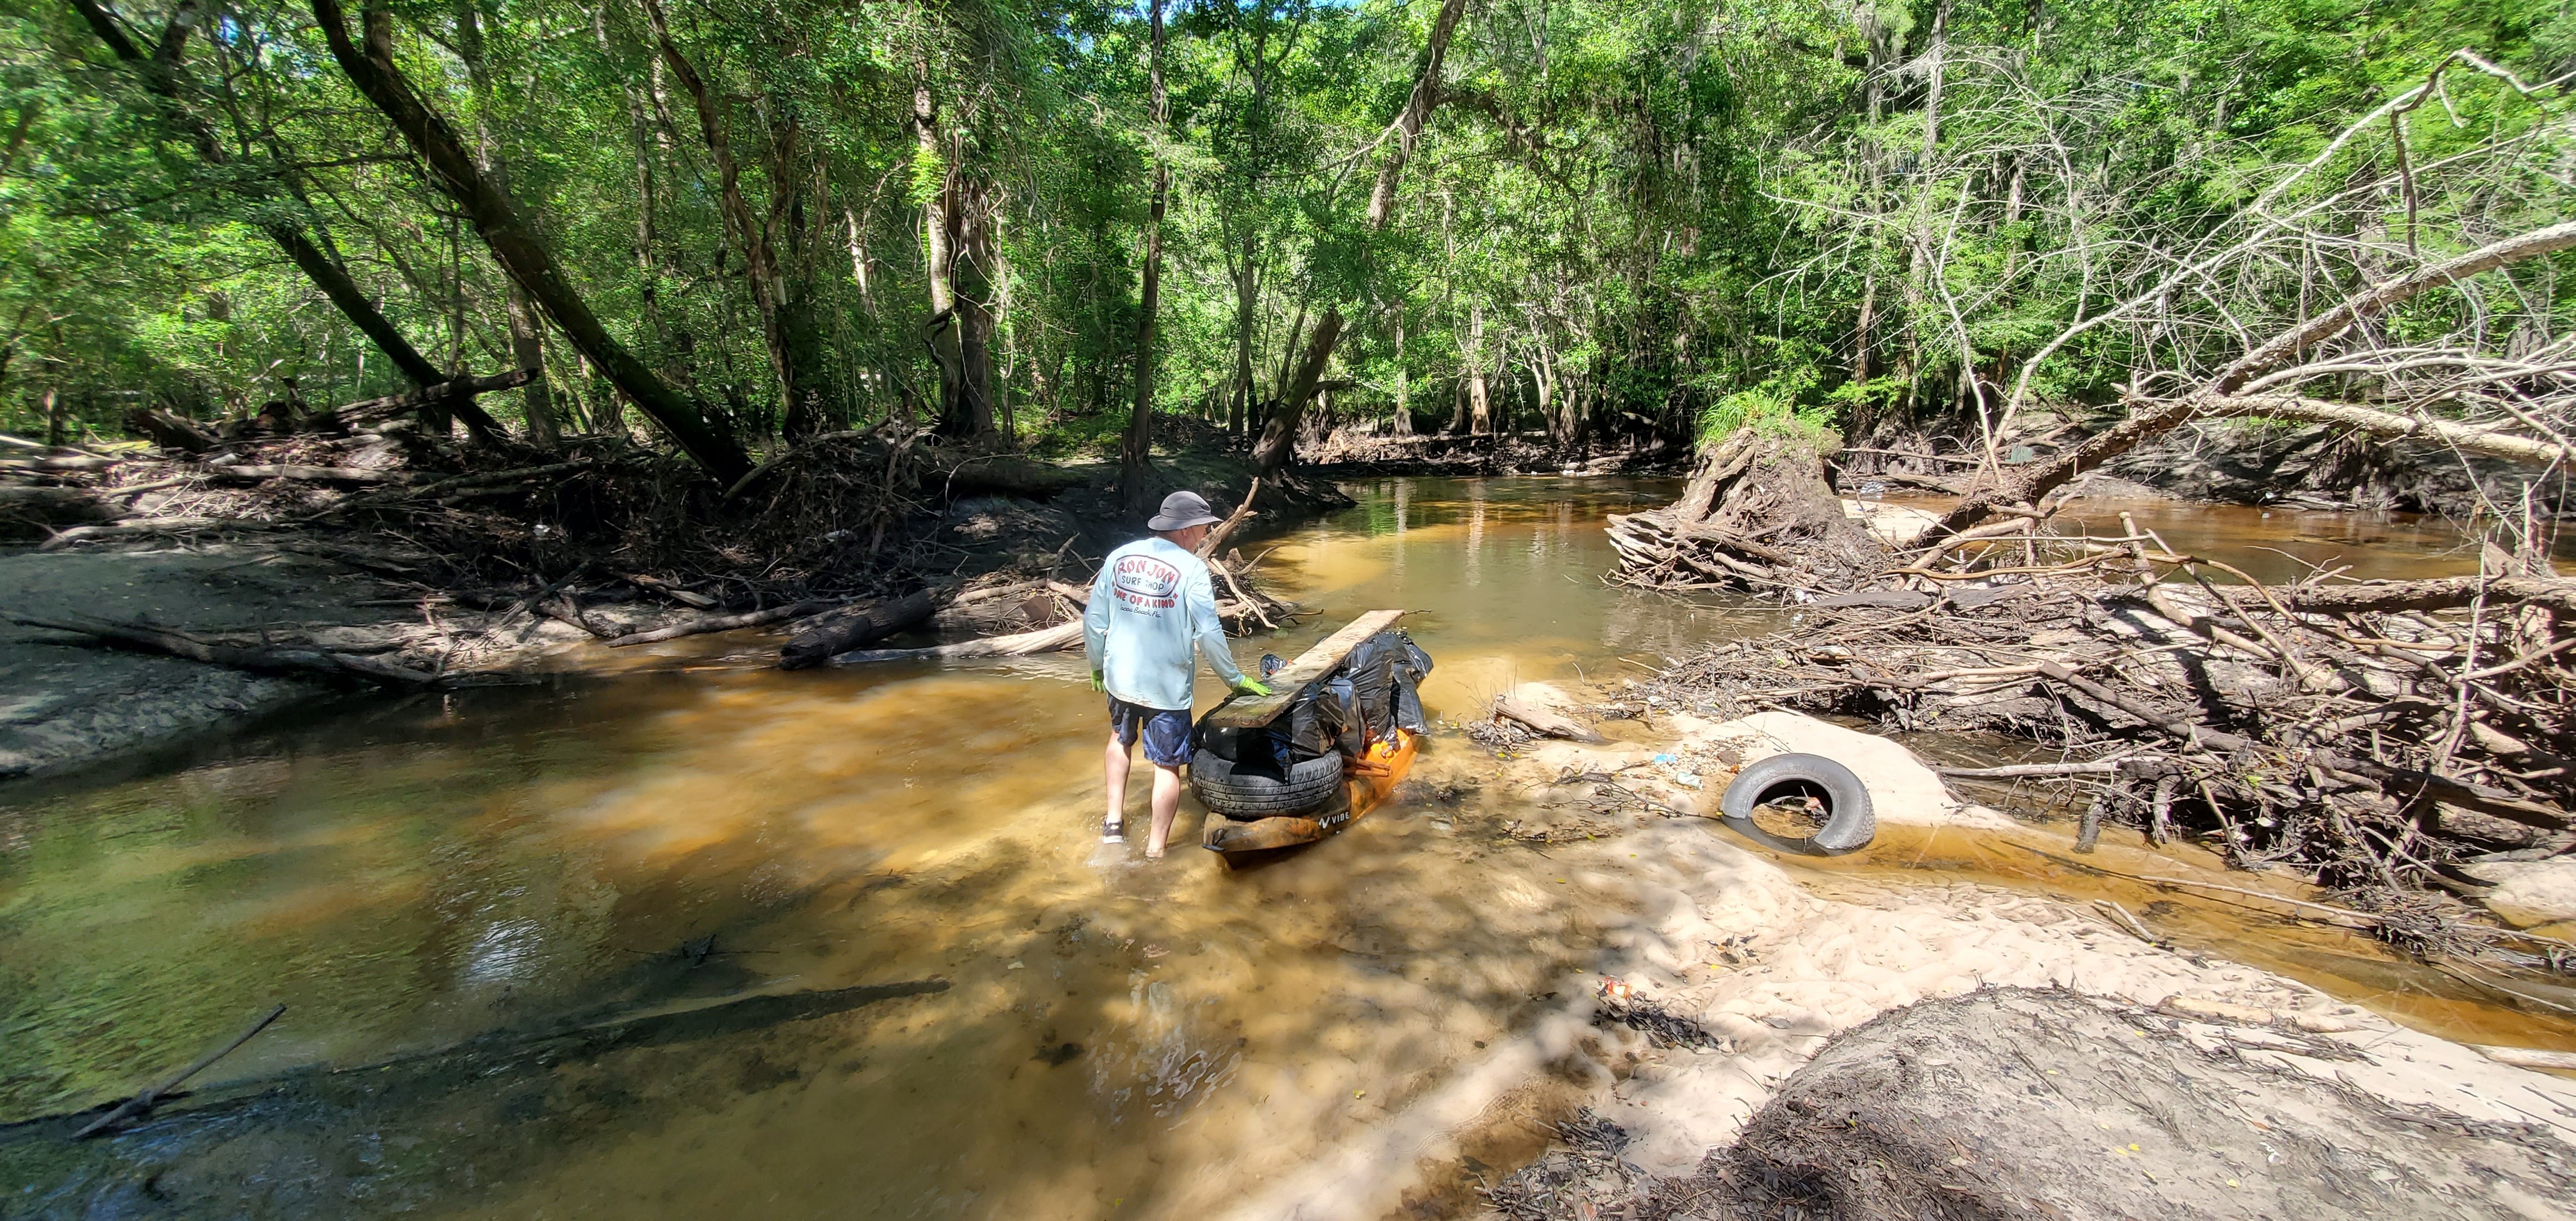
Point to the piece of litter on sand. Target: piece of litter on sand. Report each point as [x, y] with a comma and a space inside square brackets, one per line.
[1016, 965]
[1688, 780]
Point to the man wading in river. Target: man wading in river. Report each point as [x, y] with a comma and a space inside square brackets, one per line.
[1151, 603]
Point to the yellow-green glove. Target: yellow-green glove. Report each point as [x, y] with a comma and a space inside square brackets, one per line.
[1096, 683]
[1248, 685]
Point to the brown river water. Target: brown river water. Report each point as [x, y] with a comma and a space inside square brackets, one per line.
[522, 912]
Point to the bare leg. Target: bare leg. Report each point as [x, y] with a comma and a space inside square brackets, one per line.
[1167, 804]
[1116, 772]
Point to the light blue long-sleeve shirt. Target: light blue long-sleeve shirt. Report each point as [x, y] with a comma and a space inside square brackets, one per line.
[1151, 603]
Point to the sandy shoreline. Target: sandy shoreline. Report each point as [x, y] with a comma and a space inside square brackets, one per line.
[1776, 966]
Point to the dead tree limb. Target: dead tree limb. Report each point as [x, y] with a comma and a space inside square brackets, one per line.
[2493, 442]
[2212, 396]
[720, 623]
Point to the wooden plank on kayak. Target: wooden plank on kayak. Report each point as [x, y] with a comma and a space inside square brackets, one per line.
[1255, 711]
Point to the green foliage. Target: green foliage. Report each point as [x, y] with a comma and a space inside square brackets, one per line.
[1635, 211]
[1771, 409]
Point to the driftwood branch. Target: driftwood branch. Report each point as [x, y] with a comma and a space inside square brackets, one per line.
[144, 1101]
[720, 623]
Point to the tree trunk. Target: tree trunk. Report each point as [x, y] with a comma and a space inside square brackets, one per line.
[1403, 381]
[940, 332]
[1480, 393]
[1135, 452]
[514, 244]
[976, 261]
[1279, 437]
[1247, 300]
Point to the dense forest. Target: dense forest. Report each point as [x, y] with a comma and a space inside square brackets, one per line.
[722, 225]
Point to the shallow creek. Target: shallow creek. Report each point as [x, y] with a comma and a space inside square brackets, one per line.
[984, 1018]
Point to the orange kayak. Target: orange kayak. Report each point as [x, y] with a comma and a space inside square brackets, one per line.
[1366, 781]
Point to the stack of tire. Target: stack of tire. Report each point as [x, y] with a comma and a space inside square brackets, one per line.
[1295, 764]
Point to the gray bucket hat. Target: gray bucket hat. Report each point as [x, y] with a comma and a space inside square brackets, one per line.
[1182, 510]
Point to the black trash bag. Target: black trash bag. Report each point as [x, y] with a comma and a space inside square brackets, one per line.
[1364, 700]
[1386, 672]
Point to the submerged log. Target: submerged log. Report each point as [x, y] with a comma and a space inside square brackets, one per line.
[840, 631]
[1045, 640]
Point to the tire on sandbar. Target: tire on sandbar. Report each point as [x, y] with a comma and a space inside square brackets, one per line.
[1850, 821]
[1247, 795]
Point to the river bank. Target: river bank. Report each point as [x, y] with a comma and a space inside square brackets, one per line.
[662, 933]
[387, 560]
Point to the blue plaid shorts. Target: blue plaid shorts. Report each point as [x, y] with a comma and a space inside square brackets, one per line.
[1166, 731]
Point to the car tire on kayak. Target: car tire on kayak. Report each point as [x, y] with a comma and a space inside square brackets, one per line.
[1258, 795]
[1850, 822]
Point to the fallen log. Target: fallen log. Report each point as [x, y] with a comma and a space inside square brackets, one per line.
[2442, 593]
[170, 431]
[835, 632]
[295, 663]
[673, 592]
[451, 487]
[1547, 724]
[720, 623]
[76, 462]
[2526, 1057]
[1225, 529]
[262, 473]
[1045, 640]
[456, 396]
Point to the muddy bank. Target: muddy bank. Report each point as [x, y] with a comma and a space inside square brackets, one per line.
[455, 567]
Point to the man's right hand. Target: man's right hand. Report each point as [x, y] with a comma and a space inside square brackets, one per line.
[1248, 685]
[1097, 683]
